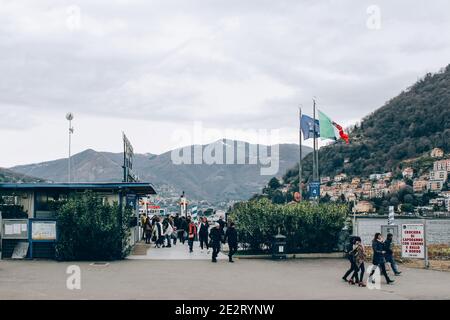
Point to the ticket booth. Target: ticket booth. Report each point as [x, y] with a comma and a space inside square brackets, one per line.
[28, 218]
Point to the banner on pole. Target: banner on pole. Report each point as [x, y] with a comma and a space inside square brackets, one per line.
[314, 189]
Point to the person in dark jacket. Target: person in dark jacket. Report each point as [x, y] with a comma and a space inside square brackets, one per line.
[181, 229]
[203, 233]
[216, 237]
[148, 230]
[378, 257]
[350, 257]
[231, 237]
[388, 247]
[222, 224]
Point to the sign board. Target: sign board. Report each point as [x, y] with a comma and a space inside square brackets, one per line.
[314, 189]
[128, 157]
[413, 241]
[15, 229]
[391, 215]
[393, 229]
[43, 230]
[131, 200]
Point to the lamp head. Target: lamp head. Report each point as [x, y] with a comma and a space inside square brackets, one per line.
[69, 116]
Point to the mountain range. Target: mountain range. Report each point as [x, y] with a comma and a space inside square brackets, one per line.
[7, 175]
[211, 182]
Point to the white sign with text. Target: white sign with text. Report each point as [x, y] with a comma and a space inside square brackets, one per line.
[413, 241]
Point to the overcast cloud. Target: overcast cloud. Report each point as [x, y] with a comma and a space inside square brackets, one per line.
[147, 67]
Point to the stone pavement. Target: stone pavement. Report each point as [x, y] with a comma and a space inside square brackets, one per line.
[201, 279]
[176, 252]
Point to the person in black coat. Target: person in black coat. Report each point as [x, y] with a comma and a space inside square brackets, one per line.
[378, 257]
[221, 223]
[231, 237]
[216, 237]
[181, 229]
[389, 256]
[350, 257]
[203, 233]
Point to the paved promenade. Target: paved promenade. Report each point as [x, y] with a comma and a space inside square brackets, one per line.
[176, 252]
[201, 279]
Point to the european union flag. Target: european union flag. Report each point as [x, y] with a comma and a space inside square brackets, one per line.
[307, 126]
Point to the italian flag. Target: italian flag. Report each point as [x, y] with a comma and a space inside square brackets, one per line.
[330, 129]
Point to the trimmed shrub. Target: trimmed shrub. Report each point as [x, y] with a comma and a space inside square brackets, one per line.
[308, 227]
[91, 230]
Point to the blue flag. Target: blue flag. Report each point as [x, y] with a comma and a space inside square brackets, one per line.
[307, 126]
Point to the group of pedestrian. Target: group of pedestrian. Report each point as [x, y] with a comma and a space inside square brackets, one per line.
[158, 230]
[382, 253]
[163, 231]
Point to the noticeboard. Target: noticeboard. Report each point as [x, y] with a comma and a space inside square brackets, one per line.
[413, 241]
[43, 230]
[14, 229]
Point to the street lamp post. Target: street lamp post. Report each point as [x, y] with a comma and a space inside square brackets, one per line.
[69, 117]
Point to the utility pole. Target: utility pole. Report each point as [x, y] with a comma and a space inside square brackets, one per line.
[69, 117]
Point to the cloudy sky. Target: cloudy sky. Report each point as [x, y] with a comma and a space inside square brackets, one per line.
[151, 68]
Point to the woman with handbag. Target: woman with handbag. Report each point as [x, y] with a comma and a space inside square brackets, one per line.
[359, 255]
[192, 233]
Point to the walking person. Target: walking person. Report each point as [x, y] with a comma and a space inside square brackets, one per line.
[359, 255]
[388, 248]
[174, 230]
[148, 230]
[143, 222]
[168, 230]
[216, 237]
[181, 229]
[157, 234]
[378, 257]
[231, 237]
[221, 223]
[350, 257]
[192, 233]
[203, 233]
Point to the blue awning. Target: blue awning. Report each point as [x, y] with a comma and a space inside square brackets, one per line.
[139, 188]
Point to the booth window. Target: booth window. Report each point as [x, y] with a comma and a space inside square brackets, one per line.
[45, 204]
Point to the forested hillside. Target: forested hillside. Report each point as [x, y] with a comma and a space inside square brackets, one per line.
[406, 127]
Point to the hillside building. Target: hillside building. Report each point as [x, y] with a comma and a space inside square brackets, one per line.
[420, 185]
[435, 185]
[439, 175]
[364, 207]
[442, 165]
[408, 173]
[437, 153]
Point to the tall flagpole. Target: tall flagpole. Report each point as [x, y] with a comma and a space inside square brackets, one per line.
[317, 149]
[315, 142]
[300, 169]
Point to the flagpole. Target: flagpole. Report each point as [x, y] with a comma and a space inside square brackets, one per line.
[300, 169]
[314, 142]
[317, 157]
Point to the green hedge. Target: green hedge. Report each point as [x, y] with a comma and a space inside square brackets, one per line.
[307, 226]
[91, 230]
